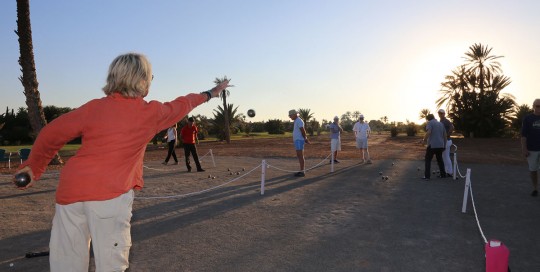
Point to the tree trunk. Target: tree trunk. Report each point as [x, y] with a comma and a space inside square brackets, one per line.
[226, 119]
[28, 69]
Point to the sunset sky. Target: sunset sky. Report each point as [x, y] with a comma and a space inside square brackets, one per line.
[382, 58]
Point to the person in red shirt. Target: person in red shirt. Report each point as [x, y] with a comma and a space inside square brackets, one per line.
[189, 138]
[95, 193]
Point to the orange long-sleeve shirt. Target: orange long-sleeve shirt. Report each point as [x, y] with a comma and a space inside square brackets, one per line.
[115, 131]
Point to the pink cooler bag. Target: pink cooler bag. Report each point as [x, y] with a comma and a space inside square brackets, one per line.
[496, 256]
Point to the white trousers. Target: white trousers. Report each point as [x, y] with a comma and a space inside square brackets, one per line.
[446, 158]
[105, 223]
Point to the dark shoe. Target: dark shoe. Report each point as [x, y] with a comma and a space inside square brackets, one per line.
[442, 176]
[336, 161]
[424, 178]
[164, 163]
[534, 193]
[189, 169]
[300, 174]
[200, 170]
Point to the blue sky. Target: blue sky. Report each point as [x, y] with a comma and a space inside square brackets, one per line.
[382, 58]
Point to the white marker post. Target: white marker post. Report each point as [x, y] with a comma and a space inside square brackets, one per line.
[331, 161]
[263, 175]
[212, 155]
[466, 191]
[455, 162]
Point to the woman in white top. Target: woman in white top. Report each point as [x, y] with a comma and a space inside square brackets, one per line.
[171, 140]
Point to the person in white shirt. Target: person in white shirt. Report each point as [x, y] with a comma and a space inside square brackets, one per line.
[362, 131]
[171, 141]
[299, 139]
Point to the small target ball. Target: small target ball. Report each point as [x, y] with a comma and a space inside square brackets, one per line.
[213, 177]
[251, 113]
[22, 179]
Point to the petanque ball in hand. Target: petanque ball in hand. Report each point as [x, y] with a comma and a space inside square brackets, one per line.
[21, 179]
[251, 113]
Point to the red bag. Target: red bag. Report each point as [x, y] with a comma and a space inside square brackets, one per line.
[497, 255]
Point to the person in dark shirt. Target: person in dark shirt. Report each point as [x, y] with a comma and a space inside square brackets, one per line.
[530, 143]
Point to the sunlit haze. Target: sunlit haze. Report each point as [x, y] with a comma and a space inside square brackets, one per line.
[382, 58]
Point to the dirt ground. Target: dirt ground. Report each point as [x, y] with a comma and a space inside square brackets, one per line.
[233, 228]
[493, 151]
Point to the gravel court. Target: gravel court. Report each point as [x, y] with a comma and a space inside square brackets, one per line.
[349, 220]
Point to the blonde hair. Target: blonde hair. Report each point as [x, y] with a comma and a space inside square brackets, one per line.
[129, 75]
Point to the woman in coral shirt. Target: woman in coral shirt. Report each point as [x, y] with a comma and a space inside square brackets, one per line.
[95, 192]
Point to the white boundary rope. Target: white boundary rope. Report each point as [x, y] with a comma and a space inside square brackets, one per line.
[200, 158]
[305, 170]
[468, 189]
[457, 172]
[475, 213]
[199, 192]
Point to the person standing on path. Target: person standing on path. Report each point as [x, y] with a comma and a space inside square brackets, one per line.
[189, 139]
[95, 194]
[335, 138]
[171, 142]
[299, 139]
[362, 131]
[449, 128]
[530, 143]
[435, 139]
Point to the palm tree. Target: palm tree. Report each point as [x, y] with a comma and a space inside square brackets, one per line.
[424, 113]
[226, 117]
[28, 68]
[473, 97]
[305, 114]
[219, 117]
[481, 63]
[519, 113]
[458, 82]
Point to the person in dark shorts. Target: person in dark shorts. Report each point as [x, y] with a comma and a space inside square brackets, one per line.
[530, 143]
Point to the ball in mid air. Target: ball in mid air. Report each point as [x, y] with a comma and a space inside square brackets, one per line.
[251, 113]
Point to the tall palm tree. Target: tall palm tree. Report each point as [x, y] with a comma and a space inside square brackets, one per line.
[473, 95]
[28, 68]
[481, 63]
[226, 117]
[305, 114]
